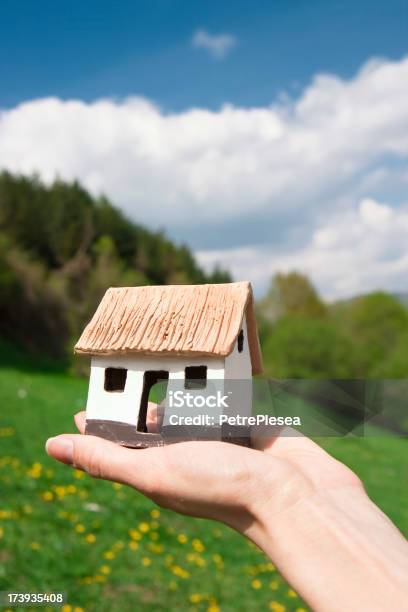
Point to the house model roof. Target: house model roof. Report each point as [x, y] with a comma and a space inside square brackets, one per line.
[172, 320]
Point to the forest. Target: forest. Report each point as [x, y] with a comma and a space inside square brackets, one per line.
[60, 248]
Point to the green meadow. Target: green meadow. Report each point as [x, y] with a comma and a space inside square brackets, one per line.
[108, 547]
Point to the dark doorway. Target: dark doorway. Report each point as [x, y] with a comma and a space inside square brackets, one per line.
[150, 378]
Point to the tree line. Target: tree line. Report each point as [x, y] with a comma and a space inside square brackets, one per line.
[304, 337]
[363, 340]
[60, 248]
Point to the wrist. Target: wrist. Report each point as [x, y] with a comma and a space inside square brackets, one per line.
[336, 549]
[276, 489]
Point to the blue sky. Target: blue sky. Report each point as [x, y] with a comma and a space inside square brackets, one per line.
[94, 49]
[267, 136]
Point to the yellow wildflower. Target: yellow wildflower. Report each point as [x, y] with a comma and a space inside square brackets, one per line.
[256, 584]
[105, 569]
[71, 489]
[157, 549]
[35, 545]
[144, 527]
[79, 474]
[47, 496]
[35, 470]
[275, 606]
[27, 509]
[109, 554]
[1, 532]
[79, 528]
[200, 562]
[100, 578]
[133, 545]
[6, 432]
[182, 538]
[135, 534]
[146, 561]
[11, 514]
[179, 571]
[198, 545]
[155, 513]
[90, 538]
[195, 598]
[274, 585]
[66, 608]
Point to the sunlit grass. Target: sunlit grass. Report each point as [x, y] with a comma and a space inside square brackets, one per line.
[107, 546]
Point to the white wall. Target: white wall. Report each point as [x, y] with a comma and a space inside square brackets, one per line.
[238, 365]
[238, 368]
[124, 406]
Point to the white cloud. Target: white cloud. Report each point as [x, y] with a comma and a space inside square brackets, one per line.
[224, 163]
[311, 159]
[218, 45]
[355, 252]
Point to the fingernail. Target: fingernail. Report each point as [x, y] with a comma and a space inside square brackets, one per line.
[60, 448]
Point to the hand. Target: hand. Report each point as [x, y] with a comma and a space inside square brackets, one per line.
[306, 510]
[213, 480]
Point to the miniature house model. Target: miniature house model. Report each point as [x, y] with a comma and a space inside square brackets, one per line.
[141, 335]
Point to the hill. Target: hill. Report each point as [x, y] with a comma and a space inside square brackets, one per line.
[59, 250]
[402, 298]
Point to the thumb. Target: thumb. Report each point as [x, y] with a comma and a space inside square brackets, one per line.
[102, 459]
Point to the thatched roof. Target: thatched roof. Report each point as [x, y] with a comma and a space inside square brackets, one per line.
[172, 320]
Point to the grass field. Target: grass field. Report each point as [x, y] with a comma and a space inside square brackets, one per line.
[111, 549]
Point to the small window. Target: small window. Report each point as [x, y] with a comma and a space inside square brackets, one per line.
[240, 341]
[195, 377]
[115, 379]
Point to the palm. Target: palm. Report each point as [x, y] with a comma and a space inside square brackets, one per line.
[208, 479]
